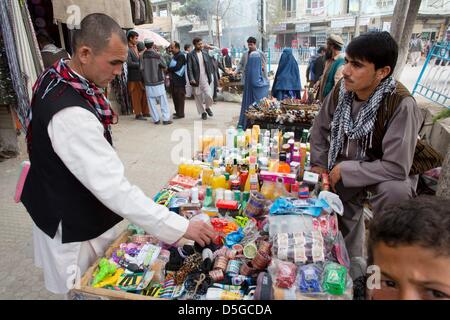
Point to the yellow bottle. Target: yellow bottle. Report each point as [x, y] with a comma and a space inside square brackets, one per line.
[252, 183]
[256, 130]
[182, 169]
[207, 176]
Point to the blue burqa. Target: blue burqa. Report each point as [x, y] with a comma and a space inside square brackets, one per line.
[287, 82]
[256, 86]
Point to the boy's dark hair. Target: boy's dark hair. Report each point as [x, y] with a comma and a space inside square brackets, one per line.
[321, 49]
[96, 31]
[140, 46]
[187, 46]
[176, 44]
[196, 40]
[149, 45]
[251, 40]
[378, 48]
[423, 221]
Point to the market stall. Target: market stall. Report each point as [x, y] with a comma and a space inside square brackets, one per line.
[275, 220]
[287, 115]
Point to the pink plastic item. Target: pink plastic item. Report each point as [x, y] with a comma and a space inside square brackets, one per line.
[24, 168]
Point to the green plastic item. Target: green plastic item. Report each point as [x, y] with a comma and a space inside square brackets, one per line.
[208, 202]
[334, 279]
[105, 269]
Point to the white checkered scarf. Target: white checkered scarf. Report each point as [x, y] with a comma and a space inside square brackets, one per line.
[361, 129]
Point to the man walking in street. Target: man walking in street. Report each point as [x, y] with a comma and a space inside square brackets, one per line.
[251, 42]
[333, 66]
[152, 68]
[136, 87]
[177, 70]
[315, 67]
[415, 50]
[200, 72]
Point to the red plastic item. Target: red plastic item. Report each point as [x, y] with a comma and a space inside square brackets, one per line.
[184, 181]
[227, 204]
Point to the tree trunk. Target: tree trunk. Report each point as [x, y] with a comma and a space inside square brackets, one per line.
[399, 19]
[403, 45]
[443, 189]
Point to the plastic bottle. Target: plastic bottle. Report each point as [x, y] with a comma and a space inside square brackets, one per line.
[252, 183]
[194, 195]
[207, 176]
[245, 198]
[283, 167]
[208, 202]
[231, 134]
[220, 194]
[256, 130]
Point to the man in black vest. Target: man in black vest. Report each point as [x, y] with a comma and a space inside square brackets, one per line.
[76, 191]
[366, 134]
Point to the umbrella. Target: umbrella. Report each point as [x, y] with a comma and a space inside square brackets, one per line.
[156, 38]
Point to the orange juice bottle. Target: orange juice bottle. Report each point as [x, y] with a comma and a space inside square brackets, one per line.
[207, 176]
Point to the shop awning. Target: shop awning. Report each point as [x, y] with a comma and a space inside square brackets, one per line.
[73, 11]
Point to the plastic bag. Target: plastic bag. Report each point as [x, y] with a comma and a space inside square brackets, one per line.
[300, 248]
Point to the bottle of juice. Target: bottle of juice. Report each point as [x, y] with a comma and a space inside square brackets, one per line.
[182, 168]
[256, 130]
[283, 167]
[207, 176]
[252, 183]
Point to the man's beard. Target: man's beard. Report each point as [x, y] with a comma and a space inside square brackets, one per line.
[328, 54]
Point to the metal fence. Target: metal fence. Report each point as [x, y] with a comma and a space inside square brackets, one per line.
[433, 81]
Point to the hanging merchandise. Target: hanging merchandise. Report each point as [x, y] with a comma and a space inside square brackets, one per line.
[23, 99]
[141, 11]
[7, 94]
[25, 47]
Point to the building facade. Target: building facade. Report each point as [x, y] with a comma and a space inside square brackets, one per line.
[302, 23]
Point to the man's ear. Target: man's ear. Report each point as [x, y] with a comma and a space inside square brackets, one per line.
[84, 54]
[383, 72]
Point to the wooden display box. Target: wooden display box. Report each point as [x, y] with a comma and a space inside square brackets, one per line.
[85, 292]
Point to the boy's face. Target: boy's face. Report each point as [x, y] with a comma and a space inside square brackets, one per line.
[411, 273]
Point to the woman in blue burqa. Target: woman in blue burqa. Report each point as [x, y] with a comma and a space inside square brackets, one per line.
[256, 86]
[287, 79]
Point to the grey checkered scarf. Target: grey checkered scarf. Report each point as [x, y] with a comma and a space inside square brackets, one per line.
[361, 129]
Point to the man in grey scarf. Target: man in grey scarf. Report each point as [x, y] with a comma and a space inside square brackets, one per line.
[366, 134]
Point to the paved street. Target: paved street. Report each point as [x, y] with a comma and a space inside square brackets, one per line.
[145, 150]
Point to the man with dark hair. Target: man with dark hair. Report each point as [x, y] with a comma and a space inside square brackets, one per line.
[333, 66]
[200, 74]
[152, 67]
[136, 86]
[366, 134]
[49, 52]
[177, 70]
[251, 42]
[316, 66]
[188, 87]
[410, 244]
[76, 191]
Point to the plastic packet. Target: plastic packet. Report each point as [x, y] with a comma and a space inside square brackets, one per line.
[334, 278]
[286, 274]
[310, 278]
[300, 247]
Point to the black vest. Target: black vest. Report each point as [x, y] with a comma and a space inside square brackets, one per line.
[52, 194]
